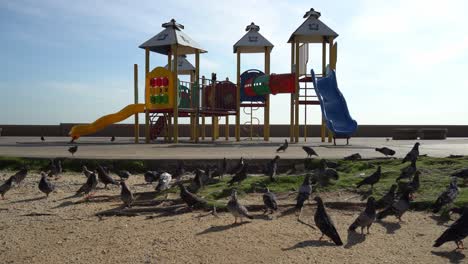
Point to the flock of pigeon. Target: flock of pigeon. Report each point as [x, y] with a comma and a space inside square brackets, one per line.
[395, 202]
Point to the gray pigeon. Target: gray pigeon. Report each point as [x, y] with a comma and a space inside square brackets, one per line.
[86, 172]
[325, 223]
[324, 175]
[73, 150]
[20, 175]
[104, 177]
[447, 197]
[164, 182]
[269, 200]
[237, 209]
[42, 138]
[89, 185]
[191, 199]
[238, 167]
[372, 179]
[413, 154]
[413, 185]
[124, 174]
[240, 176]
[386, 151]
[366, 218]
[456, 232]
[180, 171]
[408, 172]
[55, 168]
[283, 147]
[126, 195]
[6, 186]
[388, 199]
[112, 139]
[151, 176]
[398, 208]
[44, 185]
[305, 190]
[353, 157]
[271, 168]
[310, 151]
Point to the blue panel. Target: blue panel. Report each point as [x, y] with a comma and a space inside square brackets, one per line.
[244, 77]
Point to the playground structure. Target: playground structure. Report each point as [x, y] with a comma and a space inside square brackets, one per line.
[167, 98]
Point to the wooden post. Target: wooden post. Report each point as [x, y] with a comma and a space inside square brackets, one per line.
[176, 101]
[214, 118]
[203, 132]
[237, 130]
[291, 126]
[296, 117]
[330, 59]
[147, 118]
[226, 128]
[266, 128]
[197, 104]
[135, 86]
[169, 116]
[324, 65]
[192, 115]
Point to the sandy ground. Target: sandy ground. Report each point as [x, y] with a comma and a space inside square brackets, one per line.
[73, 234]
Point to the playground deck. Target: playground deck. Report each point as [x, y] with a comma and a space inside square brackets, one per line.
[124, 148]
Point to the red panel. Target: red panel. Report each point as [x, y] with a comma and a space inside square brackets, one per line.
[248, 87]
[158, 82]
[206, 96]
[165, 81]
[153, 82]
[226, 95]
[282, 83]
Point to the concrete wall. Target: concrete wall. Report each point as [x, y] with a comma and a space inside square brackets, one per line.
[126, 130]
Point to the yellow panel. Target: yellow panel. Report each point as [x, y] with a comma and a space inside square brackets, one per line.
[159, 91]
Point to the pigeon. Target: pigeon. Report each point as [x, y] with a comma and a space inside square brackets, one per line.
[283, 147]
[180, 171]
[353, 157]
[305, 190]
[407, 172]
[323, 174]
[199, 181]
[456, 232]
[112, 139]
[72, 141]
[224, 166]
[44, 185]
[151, 176]
[73, 150]
[413, 154]
[398, 208]
[104, 177]
[124, 174]
[269, 200]
[366, 218]
[325, 223]
[237, 209]
[310, 151]
[89, 185]
[164, 182]
[447, 197]
[372, 179]
[414, 184]
[86, 172]
[239, 166]
[42, 138]
[271, 168]
[388, 199]
[240, 176]
[126, 195]
[6, 186]
[55, 168]
[386, 151]
[461, 174]
[20, 175]
[458, 210]
[191, 199]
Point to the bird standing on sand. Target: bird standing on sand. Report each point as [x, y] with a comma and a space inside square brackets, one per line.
[447, 197]
[271, 168]
[6, 186]
[89, 185]
[305, 190]
[408, 172]
[20, 175]
[366, 218]
[353, 157]
[73, 150]
[124, 174]
[456, 232]
[398, 208]
[44, 185]
[283, 147]
[240, 176]
[104, 177]
[55, 168]
[310, 151]
[413, 154]
[164, 182]
[386, 151]
[85, 171]
[269, 200]
[372, 179]
[190, 199]
[325, 223]
[126, 195]
[388, 199]
[112, 139]
[237, 209]
[413, 185]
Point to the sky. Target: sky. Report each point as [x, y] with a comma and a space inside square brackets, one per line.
[399, 61]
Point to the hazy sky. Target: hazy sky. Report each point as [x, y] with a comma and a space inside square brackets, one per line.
[399, 62]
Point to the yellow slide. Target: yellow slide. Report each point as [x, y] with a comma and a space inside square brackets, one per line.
[81, 130]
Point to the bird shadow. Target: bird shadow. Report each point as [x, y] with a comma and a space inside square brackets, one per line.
[64, 204]
[214, 229]
[354, 238]
[453, 256]
[29, 200]
[440, 220]
[287, 212]
[310, 243]
[390, 226]
[365, 194]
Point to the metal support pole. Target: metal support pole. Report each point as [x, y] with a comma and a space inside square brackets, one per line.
[135, 86]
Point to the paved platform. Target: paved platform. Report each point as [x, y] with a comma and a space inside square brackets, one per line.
[124, 148]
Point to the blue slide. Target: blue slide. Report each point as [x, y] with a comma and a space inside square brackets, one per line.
[334, 107]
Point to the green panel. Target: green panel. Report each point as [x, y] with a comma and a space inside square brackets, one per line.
[261, 85]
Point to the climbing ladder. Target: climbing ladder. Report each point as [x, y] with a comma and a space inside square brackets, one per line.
[157, 124]
[253, 122]
[307, 96]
